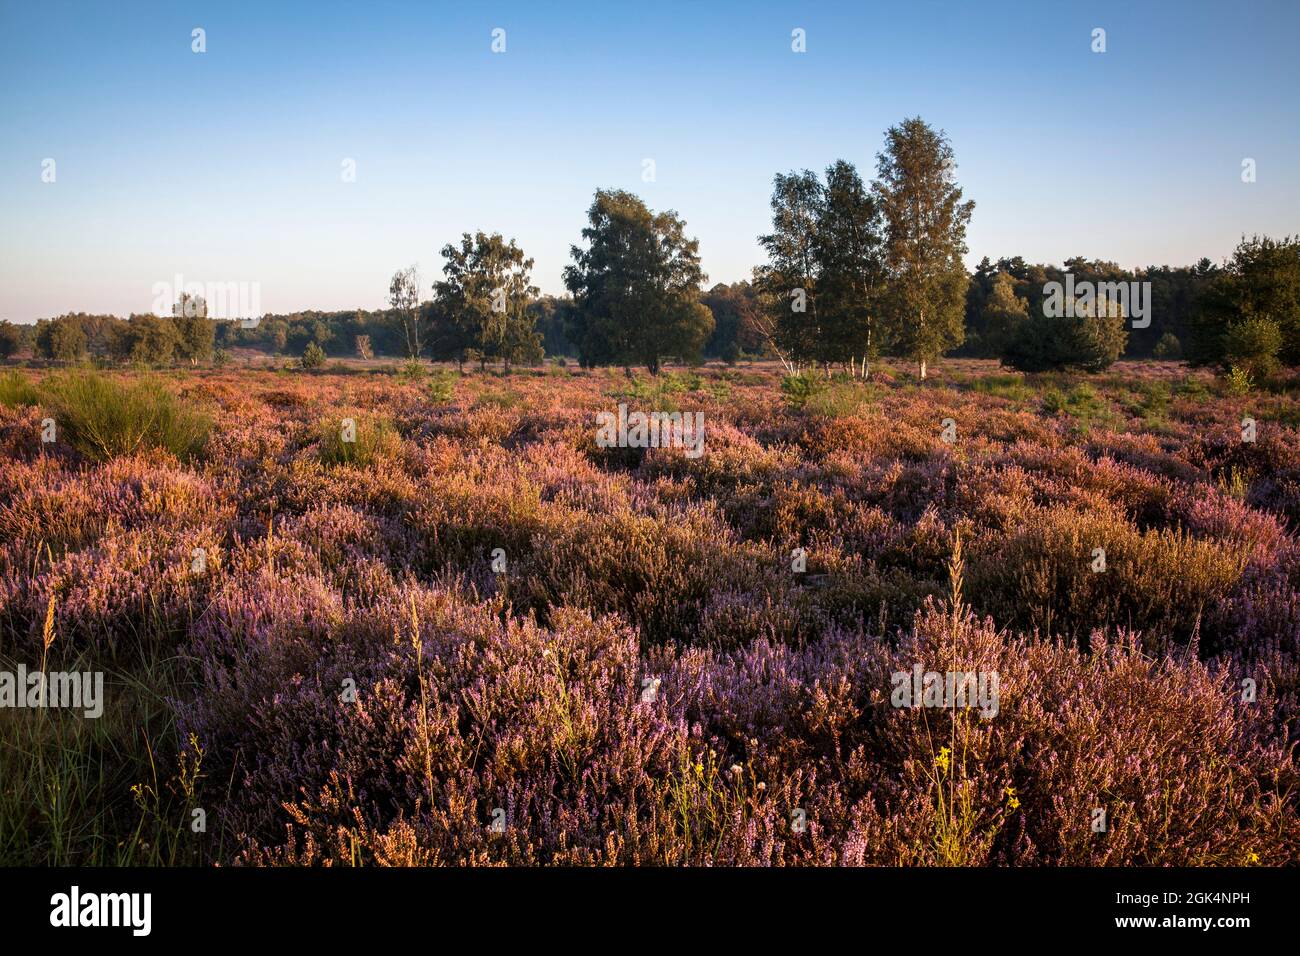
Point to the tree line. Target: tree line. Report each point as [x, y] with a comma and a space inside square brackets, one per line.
[855, 271]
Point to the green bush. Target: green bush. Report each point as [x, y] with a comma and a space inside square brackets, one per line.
[1082, 403]
[1011, 387]
[1238, 381]
[313, 356]
[15, 390]
[1252, 345]
[798, 390]
[674, 383]
[442, 386]
[413, 370]
[103, 418]
[1168, 347]
[1087, 339]
[1193, 388]
[1152, 404]
[357, 440]
[505, 399]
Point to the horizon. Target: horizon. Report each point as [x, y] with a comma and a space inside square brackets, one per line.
[227, 166]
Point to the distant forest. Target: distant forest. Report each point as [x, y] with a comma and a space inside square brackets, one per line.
[855, 271]
[1175, 291]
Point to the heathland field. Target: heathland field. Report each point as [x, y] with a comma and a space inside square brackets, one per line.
[363, 616]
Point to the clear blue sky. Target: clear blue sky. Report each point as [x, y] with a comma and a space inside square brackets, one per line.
[225, 166]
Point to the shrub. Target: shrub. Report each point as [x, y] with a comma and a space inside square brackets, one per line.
[1159, 582]
[1082, 403]
[313, 356]
[103, 418]
[674, 382]
[1089, 343]
[1238, 381]
[442, 386]
[1011, 387]
[369, 439]
[798, 390]
[413, 370]
[1194, 389]
[1168, 347]
[16, 391]
[504, 400]
[1252, 345]
[12, 338]
[842, 399]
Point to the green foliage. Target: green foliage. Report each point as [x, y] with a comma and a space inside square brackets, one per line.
[1003, 315]
[16, 391]
[1087, 337]
[844, 397]
[720, 389]
[737, 328]
[148, 340]
[404, 299]
[503, 400]
[821, 285]
[1168, 347]
[636, 286]
[103, 418]
[1238, 381]
[61, 339]
[1083, 403]
[313, 356]
[374, 438]
[1252, 346]
[12, 338]
[482, 303]
[1010, 387]
[195, 335]
[927, 279]
[798, 390]
[659, 394]
[442, 386]
[1260, 283]
[413, 370]
[1192, 388]
[675, 382]
[1154, 403]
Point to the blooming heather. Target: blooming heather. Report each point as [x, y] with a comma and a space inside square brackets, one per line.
[495, 641]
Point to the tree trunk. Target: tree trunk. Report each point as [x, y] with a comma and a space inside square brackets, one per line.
[920, 364]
